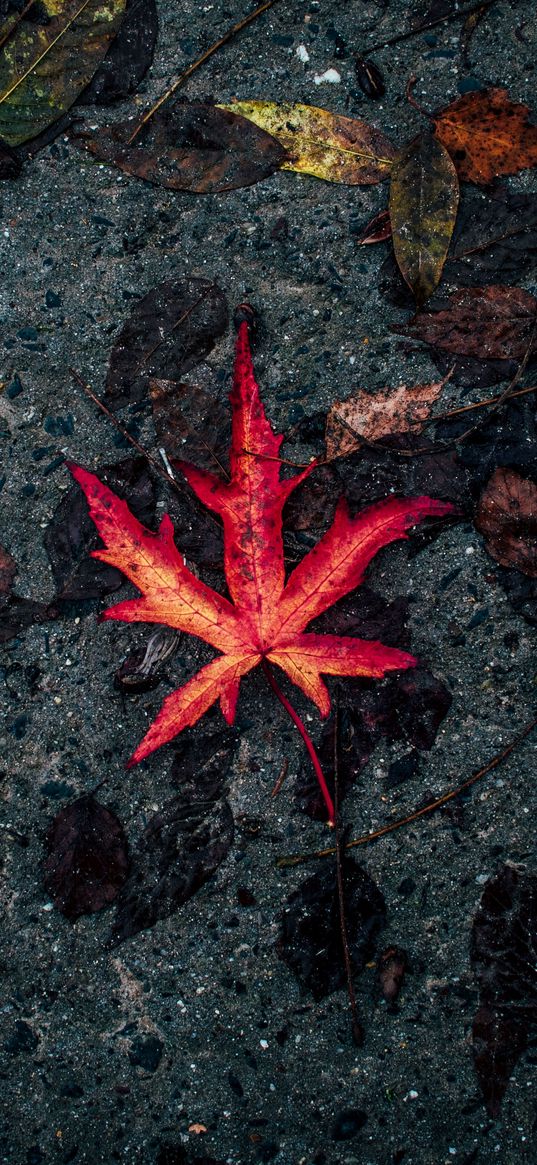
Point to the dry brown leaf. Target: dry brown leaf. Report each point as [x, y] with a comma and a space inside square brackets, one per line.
[392, 410]
[507, 517]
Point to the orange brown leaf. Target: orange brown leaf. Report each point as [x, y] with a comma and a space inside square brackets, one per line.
[487, 135]
[266, 617]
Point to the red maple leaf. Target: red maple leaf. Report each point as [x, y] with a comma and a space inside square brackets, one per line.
[264, 621]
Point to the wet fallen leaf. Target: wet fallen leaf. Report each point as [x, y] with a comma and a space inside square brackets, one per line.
[504, 939]
[424, 196]
[507, 517]
[185, 842]
[310, 936]
[494, 238]
[70, 535]
[192, 419]
[172, 327]
[195, 147]
[129, 56]
[488, 322]
[46, 62]
[265, 618]
[395, 711]
[338, 149]
[391, 410]
[487, 135]
[87, 858]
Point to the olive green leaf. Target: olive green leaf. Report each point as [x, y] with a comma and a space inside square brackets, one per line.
[338, 149]
[424, 196]
[45, 63]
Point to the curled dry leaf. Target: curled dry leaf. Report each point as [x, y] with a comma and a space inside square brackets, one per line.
[338, 149]
[310, 937]
[391, 410]
[87, 858]
[200, 148]
[424, 196]
[493, 323]
[46, 62]
[507, 517]
[141, 671]
[378, 229]
[503, 944]
[167, 332]
[487, 135]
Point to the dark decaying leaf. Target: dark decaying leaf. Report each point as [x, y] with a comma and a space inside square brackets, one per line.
[46, 63]
[129, 56]
[310, 935]
[87, 858]
[424, 196]
[168, 331]
[369, 78]
[70, 535]
[370, 474]
[409, 707]
[8, 570]
[192, 419]
[507, 517]
[493, 322]
[502, 952]
[141, 670]
[195, 147]
[377, 230]
[184, 843]
[391, 967]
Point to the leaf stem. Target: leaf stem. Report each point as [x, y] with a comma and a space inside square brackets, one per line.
[306, 738]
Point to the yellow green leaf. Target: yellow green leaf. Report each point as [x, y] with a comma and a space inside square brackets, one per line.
[424, 196]
[338, 149]
[44, 66]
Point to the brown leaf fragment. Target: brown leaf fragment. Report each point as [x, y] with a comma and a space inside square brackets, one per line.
[196, 147]
[487, 135]
[169, 329]
[507, 517]
[391, 969]
[424, 196]
[8, 571]
[141, 671]
[493, 323]
[392, 410]
[87, 858]
[128, 58]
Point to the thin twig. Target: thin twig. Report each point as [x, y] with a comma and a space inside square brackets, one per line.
[479, 404]
[299, 859]
[280, 778]
[356, 1027]
[231, 32]
[409, 94]
[305, 737]
[400, 36]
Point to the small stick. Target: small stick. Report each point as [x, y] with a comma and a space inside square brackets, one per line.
[231, 32]
[479, 404]
[306, 738]
[281, 778]
[298, 859]
[425, 26]
[356, 1026]
[412, 100]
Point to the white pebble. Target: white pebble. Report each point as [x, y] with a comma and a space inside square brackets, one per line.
[331, 77]
[302, 53]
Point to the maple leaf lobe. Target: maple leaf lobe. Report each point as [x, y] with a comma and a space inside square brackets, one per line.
[266, 617]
